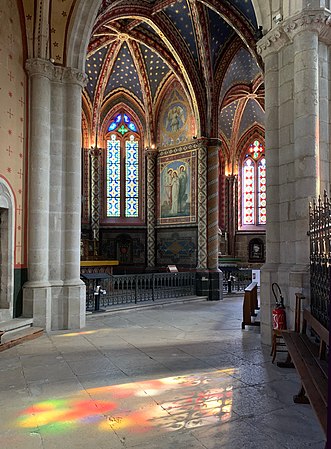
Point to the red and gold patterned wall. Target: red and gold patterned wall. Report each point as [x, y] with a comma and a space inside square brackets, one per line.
[13, 89]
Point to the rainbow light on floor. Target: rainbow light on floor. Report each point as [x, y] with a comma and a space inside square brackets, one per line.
[168, 404]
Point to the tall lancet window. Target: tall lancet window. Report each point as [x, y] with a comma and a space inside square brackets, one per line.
[254, 198]
[122, 168]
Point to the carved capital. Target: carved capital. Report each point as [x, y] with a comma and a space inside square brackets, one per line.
[315, 21]
[74, 76]
[43, 67]
[40, 67]
[272, 42]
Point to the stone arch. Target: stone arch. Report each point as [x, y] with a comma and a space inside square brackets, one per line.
[7, 244]
[79, 32]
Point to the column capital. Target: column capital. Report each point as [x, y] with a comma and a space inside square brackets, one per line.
[310, 20]
[272, 42]
[43, 67]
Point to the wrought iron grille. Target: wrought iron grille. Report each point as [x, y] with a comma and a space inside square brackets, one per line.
[137, 288]
[320, 258]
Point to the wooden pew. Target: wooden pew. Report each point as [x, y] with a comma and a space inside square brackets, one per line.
[309, 355]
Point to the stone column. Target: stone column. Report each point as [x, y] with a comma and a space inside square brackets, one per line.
[54, 294]
[294, 53]
[37, 298]
[56, 181]
[74, 288]
[215, 275]
[270, 268]
[151, 207]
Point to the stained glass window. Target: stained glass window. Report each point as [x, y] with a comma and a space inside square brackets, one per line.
[132, 177]
[248, 193]
[254, 197]
[113, 177]
[262, 195]
[122, 172]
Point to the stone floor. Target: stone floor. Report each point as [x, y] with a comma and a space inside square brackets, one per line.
[182, 376]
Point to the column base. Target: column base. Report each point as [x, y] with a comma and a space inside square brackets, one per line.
[210, 283]
[55, 306]
[215, 285]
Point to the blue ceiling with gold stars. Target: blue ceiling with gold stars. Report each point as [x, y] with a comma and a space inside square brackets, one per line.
[140, 59]
[246, 8]
[226, 119]
[93, 69]
[253, 113]
[157, 69]
[124, 74]
[180, 15]
[243, 69]
[220, 33]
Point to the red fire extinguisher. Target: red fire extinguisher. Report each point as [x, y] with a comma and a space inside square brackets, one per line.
[278, 314]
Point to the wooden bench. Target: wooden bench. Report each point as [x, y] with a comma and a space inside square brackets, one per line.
[308, 351]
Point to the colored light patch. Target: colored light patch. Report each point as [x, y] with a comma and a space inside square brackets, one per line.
[63, 412]
[182, 402]
[75, 334]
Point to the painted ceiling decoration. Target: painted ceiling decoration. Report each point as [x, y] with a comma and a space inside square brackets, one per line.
[138, 46]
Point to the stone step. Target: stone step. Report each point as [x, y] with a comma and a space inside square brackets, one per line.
[15, 323]
[15, 337]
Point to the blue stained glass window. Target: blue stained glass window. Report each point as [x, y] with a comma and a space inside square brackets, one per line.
[118, 118]
[132, 178]
[126, 119]
[113, 177]
[132, 127]
[112, 126]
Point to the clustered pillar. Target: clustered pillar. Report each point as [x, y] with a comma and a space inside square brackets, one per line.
[297, 155]
[54, 294]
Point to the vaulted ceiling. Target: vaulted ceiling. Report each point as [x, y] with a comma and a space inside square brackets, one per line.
[138, 47]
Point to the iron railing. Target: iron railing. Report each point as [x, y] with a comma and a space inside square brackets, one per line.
[137, 288]
[320, 258]
[235, 280]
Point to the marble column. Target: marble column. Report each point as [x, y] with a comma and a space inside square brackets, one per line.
[151, 207]
[215, 275]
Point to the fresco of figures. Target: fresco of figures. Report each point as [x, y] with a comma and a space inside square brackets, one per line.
[175, 189]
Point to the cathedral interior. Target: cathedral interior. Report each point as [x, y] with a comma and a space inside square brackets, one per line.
[195, 81]
[167, 145]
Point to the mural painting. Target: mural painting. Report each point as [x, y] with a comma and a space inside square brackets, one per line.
[176, 120]
[177, 188]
